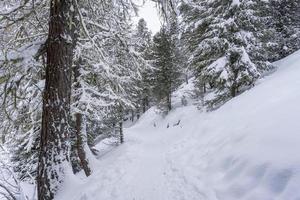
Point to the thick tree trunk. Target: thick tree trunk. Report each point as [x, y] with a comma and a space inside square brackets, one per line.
[81, 128]
[55, 131]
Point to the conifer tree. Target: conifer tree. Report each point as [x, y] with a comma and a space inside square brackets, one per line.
[166, 72]
[180, 59]
[142, 39]
[222, 37]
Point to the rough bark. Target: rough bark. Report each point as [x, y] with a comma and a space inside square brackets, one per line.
[55, 130]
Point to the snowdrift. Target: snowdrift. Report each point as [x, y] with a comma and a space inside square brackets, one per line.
[246, 150]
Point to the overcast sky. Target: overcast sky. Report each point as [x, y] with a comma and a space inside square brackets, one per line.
[150, 13]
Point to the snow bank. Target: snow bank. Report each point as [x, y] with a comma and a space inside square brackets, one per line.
[246, 150]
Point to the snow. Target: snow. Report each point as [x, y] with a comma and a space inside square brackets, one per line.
[183, 93]
[236, 2]
[247, 149]
[219, 66]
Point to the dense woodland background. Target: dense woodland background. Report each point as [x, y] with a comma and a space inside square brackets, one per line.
[72, 72]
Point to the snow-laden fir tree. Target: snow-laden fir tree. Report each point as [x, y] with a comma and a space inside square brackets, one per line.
[224, 39]
[143, 41]
[180, 57]
[111, 66]
[94, 75]
[166, 73]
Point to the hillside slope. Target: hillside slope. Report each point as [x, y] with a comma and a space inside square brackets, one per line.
[246, 150]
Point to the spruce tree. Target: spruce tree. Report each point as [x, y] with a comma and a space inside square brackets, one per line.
[222, 37]
[142, 39]
[166, 72]
[180, 58]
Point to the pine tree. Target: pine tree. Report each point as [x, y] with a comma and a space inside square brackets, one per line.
[166, 72]
[222, 37]
[110, 69]
[142, 39]
[180, 59]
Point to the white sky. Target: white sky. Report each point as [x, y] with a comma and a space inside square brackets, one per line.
[150, 13]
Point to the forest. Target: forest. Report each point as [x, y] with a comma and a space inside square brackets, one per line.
[78, 74]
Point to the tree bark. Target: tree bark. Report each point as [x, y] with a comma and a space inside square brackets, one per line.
[55, 131]
[81, 142]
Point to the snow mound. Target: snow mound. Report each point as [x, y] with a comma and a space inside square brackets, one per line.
[246, 150]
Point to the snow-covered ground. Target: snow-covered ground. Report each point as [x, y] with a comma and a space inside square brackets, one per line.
[246, 150]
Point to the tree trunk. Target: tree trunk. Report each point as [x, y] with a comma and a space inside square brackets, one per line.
[233, 90]
[169, 103]
[186, 78]
[81, 142]
[121, 132]
[132, 115]
[3, 138]
[55, 130]
[145, 104]
[80, 127]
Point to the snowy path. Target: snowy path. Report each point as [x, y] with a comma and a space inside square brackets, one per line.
[144, 168]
